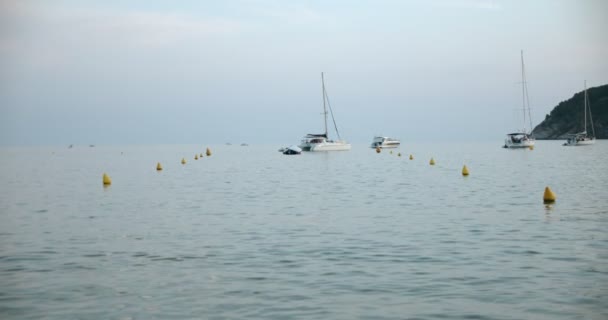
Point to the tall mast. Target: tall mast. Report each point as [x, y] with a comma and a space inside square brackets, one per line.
[324, 107]
[523, 90]
[585, 108]
[524, 94]
[331, 112]
[528, 104]
[590, 115]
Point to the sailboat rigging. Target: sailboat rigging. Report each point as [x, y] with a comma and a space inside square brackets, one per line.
[583, 138]
[523, 138]
[321, 142]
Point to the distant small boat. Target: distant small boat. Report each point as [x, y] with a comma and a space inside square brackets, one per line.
[244, 145]
[292, 150]
[522, 139]
[71, 146]
[228, 143]
[582, 138]
[91, 145]
[385, 142]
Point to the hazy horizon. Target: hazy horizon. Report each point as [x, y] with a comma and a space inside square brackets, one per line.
[155, 72]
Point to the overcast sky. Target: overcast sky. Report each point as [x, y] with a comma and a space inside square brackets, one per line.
[156, 72]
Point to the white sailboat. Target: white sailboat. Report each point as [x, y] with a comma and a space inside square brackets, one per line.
[523, 138]
[582, 138]
[321, 142]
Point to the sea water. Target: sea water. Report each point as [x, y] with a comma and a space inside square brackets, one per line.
[249, 233]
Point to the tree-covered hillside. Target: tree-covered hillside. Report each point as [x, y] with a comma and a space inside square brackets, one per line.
[568, 117]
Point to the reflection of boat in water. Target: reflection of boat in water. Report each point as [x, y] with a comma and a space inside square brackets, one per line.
[385, 142]
[522, 139]
[582, 138]
[321, 142]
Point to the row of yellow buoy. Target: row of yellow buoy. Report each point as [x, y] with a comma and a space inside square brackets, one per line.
[106, 180]
[378, 150]
[465, 170]
[196, 157]
[548, 196]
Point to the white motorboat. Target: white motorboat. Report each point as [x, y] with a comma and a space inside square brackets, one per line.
[321, 142]
[385, 142]
[582, 138]
[523, 138]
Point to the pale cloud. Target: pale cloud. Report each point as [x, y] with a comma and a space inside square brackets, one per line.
[490, 5]
[160, 29]
[278, 9]
[297, 14]
[32, 29]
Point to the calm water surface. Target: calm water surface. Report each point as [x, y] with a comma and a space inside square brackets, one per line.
[249, 233]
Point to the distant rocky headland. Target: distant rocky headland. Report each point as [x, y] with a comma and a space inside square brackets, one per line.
[568, 116]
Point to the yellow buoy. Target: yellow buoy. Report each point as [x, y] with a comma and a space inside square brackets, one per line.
[183, 160]
[411, 157]
[196, 157]
[549, 196]
[106, 180]
[201, 155]
[432, 162]
[399, 154]
[159, 167]
[531, 147]
[208, 152]
[378, 150]
[465, 170]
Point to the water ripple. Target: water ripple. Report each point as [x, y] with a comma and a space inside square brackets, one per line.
[254, 234]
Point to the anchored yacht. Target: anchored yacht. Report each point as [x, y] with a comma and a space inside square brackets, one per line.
[321, 142]
[385, 142]
[522, 139]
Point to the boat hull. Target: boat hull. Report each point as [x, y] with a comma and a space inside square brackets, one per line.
[586, 142]
[329, 146]
[516, 145]
[321, 144]
[385, 146]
